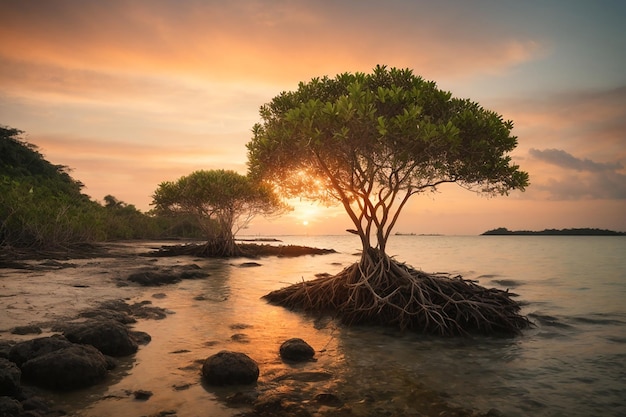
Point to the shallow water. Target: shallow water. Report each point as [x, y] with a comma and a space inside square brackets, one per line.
[571, 364]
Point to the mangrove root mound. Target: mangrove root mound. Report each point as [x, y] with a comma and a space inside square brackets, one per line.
[386, 292]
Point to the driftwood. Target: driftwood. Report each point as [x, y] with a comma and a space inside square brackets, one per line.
[382, 291]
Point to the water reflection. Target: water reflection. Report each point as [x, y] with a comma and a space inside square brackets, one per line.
[571, 364]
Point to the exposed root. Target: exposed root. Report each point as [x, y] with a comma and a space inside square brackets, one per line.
[380, 290]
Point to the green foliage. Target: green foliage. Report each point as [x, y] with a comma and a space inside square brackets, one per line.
[42, 206]
[223, 202]
[370, 141]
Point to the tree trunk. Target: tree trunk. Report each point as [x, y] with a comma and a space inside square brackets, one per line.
[222, 247]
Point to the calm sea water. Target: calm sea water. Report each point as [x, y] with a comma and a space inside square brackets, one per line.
[572, 363]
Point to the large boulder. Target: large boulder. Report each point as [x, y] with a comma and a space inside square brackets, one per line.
[296, 350]
[230, 368]
[72, 367]
[108, 336]
[30, 349]
[10, 376]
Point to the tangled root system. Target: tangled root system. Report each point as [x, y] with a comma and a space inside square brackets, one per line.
[379, 290]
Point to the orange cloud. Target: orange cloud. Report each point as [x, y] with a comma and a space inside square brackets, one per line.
[271, 42]
[132, 171]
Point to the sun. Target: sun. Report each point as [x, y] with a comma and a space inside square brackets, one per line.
[305, 222]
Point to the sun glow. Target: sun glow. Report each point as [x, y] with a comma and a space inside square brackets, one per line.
[309, 214]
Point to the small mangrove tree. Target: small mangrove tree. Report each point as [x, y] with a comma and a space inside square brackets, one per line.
[222, 201]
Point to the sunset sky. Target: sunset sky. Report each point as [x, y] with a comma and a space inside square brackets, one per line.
[132, 93]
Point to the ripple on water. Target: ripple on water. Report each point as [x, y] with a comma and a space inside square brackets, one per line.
[597, 319]
[509, 283]
[549, 321]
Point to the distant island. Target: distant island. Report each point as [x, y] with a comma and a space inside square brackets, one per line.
[554, 232]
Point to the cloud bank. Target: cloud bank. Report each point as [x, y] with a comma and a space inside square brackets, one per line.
[592, 180]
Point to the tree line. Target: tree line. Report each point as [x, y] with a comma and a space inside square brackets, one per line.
[43, 208]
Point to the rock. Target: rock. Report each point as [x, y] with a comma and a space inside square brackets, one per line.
[157, 277]
[116, 305]
[328, 399]
[108, 336]
[107, 314]
[149, 312]
[296, 350]
[37, 406]
[230, 368]
[75, 366]
[22, 330]
[5, 347]
[10, 407]
[30, 349]
[249, 264]
[240, 338]
[153, 278]
[142, 338]
[10, 376]
[142, 395]
[239, 326]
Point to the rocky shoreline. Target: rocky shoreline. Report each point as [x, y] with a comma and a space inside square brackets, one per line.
[79, 354]
[84, 349]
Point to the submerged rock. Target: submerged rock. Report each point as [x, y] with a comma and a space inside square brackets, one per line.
[230, 368]
[108, 336]
[296, 350]
[72, 367]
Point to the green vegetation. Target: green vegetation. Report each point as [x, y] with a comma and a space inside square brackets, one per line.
[503, 231]
[42, 208]
[41, 205]
[222, 202]
[370, 142]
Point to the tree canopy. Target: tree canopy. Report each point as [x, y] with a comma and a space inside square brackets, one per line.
[371, 141]
[222, 201]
